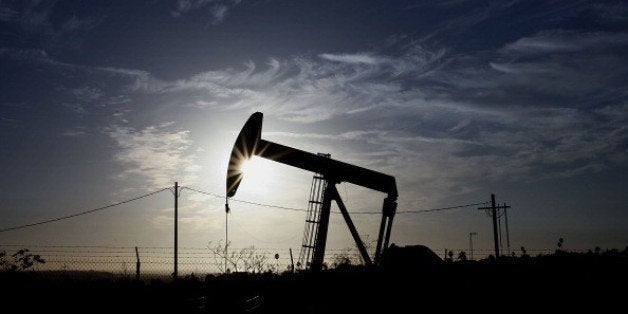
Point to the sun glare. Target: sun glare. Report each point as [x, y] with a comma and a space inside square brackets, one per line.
[256, 173]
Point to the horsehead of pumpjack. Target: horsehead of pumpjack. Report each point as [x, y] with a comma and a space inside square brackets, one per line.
[249, 143]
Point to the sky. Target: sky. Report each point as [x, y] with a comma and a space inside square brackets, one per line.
[101, 102]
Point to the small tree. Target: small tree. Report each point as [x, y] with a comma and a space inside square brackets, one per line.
[344, 258]
[462, 256]
[560, 244]
[245, 259]
[20, 260]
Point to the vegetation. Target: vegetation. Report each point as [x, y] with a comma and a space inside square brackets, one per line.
[242, 260]
[19, 261]
[254, 286]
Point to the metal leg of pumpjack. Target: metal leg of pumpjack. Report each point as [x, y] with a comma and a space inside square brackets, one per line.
[323, 225]
[380, 236]
[388, 213]
[352, 229]
[380, 239]
[388, 230]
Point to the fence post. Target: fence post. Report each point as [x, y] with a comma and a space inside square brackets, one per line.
[137, 265]
[291, 261]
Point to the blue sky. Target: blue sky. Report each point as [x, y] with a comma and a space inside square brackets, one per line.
[457, 99]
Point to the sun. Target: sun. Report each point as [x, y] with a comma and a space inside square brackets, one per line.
[257, 173]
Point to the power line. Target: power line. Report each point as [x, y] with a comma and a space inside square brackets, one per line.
[440, 209]
[353, 213]
[247, 202]
[84, 212]
[420, 211]
[218, 196]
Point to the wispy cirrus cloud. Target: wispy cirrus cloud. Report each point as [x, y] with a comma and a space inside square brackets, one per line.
[216, 9]
[75, 132]
[436, 119]
[155, 154]
[565, 41]
[40, 23]
[466, 118]
[351, 58]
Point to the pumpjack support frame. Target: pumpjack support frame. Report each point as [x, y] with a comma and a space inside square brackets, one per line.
[249, 143]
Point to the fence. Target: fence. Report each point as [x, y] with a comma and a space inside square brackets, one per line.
[158, 261]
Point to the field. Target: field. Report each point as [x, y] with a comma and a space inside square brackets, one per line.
[552, 282]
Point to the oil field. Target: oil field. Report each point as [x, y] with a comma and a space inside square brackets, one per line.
[273, 156]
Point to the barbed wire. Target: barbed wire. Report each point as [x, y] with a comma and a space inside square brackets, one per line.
[192, 260]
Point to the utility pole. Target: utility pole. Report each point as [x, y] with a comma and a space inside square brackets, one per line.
[493, 209]
[507, 232]
[471, 234]
[494, 214]
[176, 230]
[499, 227]
[137, 265]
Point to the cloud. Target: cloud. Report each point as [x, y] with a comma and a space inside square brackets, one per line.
[154, 155]
[352, 135]
[74, 133]
[29, 13]
[351, 58]
[433, 118]
[40, 24]
[442, 122]
[131, 79]
[87, 93]
[77, 108]
[218, 12]
[185, 6]
[563, 41]
[216, 9]
[307, 90]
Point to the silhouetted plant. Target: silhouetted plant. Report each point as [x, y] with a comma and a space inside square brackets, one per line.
[451, 256]
[462, 256]
[341, 261]
[597, 250]
[245, 259]
[20, 260]
[347, 257]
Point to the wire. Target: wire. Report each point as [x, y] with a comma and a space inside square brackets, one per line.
[420, 211]
[247, 202]
[83, 212]
[353, 213]
[440, 209]
[241, 228]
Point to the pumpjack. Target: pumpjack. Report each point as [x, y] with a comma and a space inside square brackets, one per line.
[249, 143]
